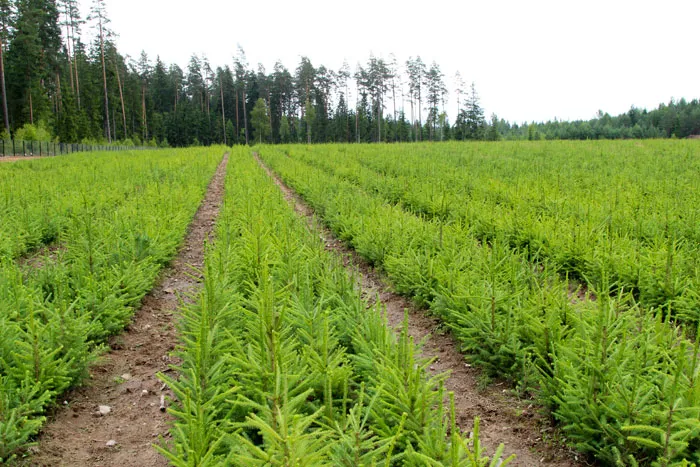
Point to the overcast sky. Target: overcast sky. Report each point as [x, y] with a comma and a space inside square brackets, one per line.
[530, 60]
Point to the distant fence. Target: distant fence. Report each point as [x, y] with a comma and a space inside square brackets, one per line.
[17, 148]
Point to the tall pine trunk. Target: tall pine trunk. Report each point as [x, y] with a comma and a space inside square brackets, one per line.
[144, 117]
[72, 56]
[269, 113]
[121, 96]
[77, 80]
[245, 117]
[31, 107]
[357, 121]
[238, 129]
[420, 117]
[5, 113]
[108, 130]
[379, 120]
[69, 56]
[396, 125]
[413, 117]
[223, 112]
[59, 99]
[308, 124]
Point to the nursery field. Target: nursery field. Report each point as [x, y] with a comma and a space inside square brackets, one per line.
[570, 269]
[82, 239]
[281, 362]
[284, 364]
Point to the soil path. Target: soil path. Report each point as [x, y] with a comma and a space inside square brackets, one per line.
[125, 378]
[20, 158]
[504, 419]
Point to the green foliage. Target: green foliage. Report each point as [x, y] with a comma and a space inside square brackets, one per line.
[639, 231]
[105, 235]
[261, 121]
[489, 237]
[284, 364]
[31, 132]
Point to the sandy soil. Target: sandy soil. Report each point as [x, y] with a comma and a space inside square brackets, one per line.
[504, 418]
[125, 378]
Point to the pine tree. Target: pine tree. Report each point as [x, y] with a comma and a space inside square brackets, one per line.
[436, 91]
[493, 134]
[241, 70]
[98, 13]
[32, 62]
[5, 21]
[144, 71]
[473, 117]
[415, 70]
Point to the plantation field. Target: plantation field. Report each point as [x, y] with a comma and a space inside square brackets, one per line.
[623, 214]
[284, 364]
[82, 239]
[570, 269]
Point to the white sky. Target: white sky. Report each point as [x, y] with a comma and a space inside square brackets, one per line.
[530, 60]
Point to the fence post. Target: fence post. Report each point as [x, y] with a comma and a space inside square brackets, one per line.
[24, 148]
[13, 148]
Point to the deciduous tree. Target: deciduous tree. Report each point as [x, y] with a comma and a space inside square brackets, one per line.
[260, 120]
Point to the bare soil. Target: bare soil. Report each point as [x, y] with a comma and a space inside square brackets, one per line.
[125, 378]
[20, 158]
[504, 418]
[38, 258]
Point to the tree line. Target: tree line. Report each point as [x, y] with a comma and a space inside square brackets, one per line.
[57, 86]
[677, 119]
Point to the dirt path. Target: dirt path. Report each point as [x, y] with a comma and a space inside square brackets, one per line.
[125, 378]
[504, 419]
[20, 158]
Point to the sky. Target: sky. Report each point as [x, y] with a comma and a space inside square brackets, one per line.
[532, 60]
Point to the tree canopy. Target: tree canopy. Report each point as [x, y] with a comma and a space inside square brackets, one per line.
[88, 91]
